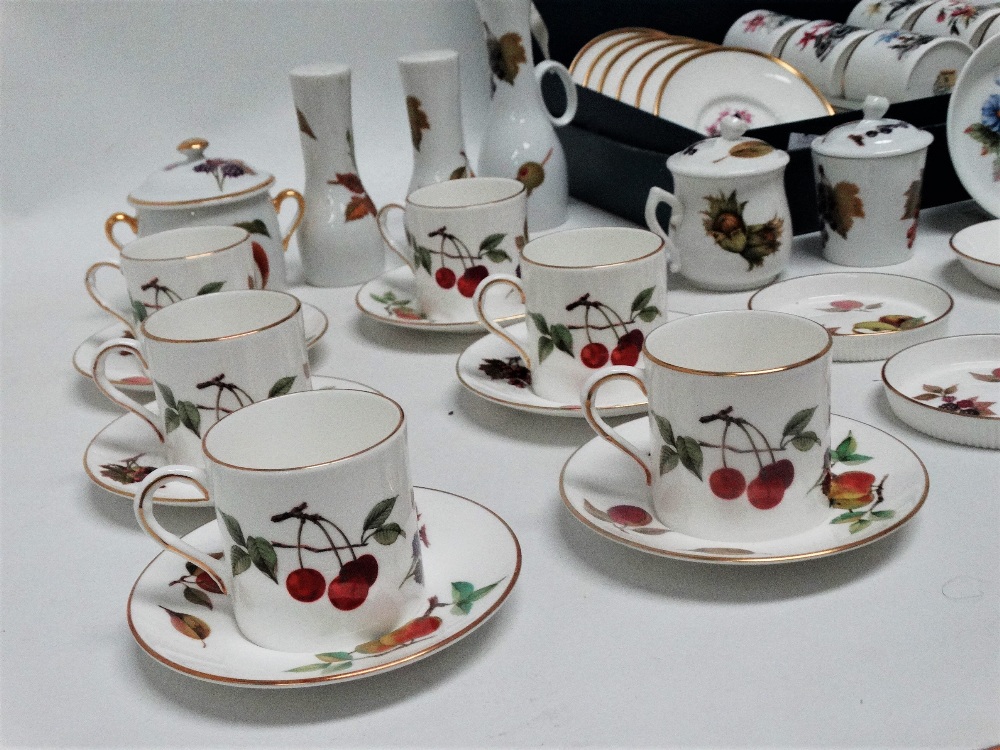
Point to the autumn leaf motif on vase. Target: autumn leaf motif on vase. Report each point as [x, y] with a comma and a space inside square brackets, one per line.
[304, 124]
[228, 397]
[506, 55]
[725, 224]
[839, 205]
[986, 132]
[359, 205]
[853, 491]
[418, 120]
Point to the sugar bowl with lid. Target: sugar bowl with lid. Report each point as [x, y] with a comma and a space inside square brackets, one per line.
[201, 190]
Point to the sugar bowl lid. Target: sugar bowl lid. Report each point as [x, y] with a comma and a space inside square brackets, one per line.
[873, 136]
[728, 155]
[198, 179]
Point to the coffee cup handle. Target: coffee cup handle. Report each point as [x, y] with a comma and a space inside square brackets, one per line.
[112, 391]
[658, 195]
[491, 326]
[588, 397]
[567, 81]
[171, 542]
[280, 198]
[119, 218]
[90, 280]
[384, 231]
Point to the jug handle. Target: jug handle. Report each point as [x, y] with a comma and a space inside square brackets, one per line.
[384, 231]
[119, 218]
[658, 195]
[281, 198]
[567, 81]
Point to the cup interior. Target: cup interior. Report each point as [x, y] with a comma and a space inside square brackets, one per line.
[303, 429]
[471, 191]
[592, 246]
[187, 242]
[737, 342]
[221, 315]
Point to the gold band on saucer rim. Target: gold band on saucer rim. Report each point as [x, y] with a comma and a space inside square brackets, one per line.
[228, 337]
[665, 58]
[667, 41]
[600, 55]
[601, 37]
[660, 45]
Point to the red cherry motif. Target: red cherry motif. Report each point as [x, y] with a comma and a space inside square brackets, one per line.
[349, 589]
[260, 258]
[629, 515]
[625, 354]
[305, 584]
[727, 483]
[782, 471]
[471, 279]
[633, 337]
[846, 305]
[765, 493]
[445, 278]
[594, 355]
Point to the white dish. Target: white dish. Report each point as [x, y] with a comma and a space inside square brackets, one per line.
[590, 52]
[392, 299]
[869, 315]
[978, 249]
[648, 81]
[947, 388]
[626, 57]
[605, 490]
[124, 372]
[762, 89]
[973, 126]
[123, 453]
[471, 562]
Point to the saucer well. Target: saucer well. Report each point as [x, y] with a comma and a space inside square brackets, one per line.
[125, 372]
[123, 453]
[869, 315]
[978, 249]
[605, 490]
[392, 298]
[471, 561]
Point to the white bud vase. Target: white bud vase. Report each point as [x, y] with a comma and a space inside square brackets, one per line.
[338, 239]
[519, 140]
[434, 109]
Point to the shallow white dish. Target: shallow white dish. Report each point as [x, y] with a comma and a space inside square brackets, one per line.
[593, 50]
[644, 85]
[124, 372]
[978, 249]
[391, 298]
[123, 453]
[973, 126]
[471, 562]
[629, 56]
[948, 387]
[851, 306]
[605, 490]
[762, 89]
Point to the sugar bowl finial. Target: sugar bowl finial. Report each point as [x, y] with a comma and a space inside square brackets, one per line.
[193, 148]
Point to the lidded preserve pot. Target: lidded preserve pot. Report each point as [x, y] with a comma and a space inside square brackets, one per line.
[730, 226]
[200, 190]
[868, 177]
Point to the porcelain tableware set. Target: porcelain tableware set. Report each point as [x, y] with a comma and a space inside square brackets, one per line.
[970, 22]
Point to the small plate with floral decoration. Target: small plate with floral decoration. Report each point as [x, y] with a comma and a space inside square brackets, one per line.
[869, 315]
[392, 298]
[978, 249]
[973, 126]
[471, 561]
[948, 388]
[123, 453]
[876, 484]
[124, 371]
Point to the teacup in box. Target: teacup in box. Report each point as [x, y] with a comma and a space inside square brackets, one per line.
[739, 412]
[820, 50]
[763, 30]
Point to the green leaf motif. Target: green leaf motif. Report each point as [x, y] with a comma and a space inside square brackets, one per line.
[422, 258]
[642, 299]
[190, 416]
[857, 526]
[254, 227]
[668, 459]
[263, 556]
[539, 320]
[211, 288]
[562, 338]
[847, 446]
[545, 348]
[883, 513]
[234, 529]
[798, 422]
[322, 666]
[388, 534]
[139, 311]
[491, 243]
[281, 386]
[380, 513]
[649, 313]
[240, 559]
[665, 428]
[805, 440]
[171, 419]
[498, 255]
[167, 394]
[480, 593]
[690, 454]
[197, 596]
[855, 458]
[461, 590]
[331, 657]
[848, 517]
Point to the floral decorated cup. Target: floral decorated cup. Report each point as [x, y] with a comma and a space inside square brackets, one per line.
[763, 30]
[592, 296]
[820, 50]
[739, 413]
[957, 19]
[313, 498]
[887, 14]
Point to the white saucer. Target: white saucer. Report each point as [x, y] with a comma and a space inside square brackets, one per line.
[598, 477]
[977, 163]
[978, 249]
[123, 453]
[509, 383]
[472, 557]
[851, 304]
[124, 372]
[391, 298]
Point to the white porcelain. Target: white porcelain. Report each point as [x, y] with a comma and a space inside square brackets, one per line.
[973, 126]
[338, 239]
[948, 387]
[519, 140]
[903, 65]
[208, 357]
[978, 249]
[711, 84]
[602, 489]
[868, 175]
[990, 29]
[622, 58]
[869, 315]
[126, 451]
[957, 19]
[762, 30]
[124, 371]
[657, 60]
[167, 267]
[820, 50]
[202, 190]
[434, 111]
[730, 225]
[591, 296]
[458, 233]
[595, 49]
[471, 560]
[887, 14]
[648, 81]
[739, 403]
